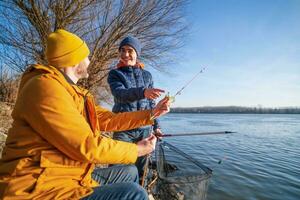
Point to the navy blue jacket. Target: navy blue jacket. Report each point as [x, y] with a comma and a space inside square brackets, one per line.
[127, 85]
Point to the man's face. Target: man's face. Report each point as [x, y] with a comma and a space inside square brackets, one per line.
[128, 55]
[81, 70]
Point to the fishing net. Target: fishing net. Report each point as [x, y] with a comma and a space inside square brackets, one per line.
[180, 177]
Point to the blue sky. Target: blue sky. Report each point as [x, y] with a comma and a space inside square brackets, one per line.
[251, 51]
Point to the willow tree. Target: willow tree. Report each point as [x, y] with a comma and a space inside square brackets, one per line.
[25, 25]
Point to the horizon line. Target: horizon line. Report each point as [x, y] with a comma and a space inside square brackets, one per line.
[272, 107]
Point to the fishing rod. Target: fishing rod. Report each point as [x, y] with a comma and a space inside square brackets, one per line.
[189, 82]
[194, 134]
[172, 98]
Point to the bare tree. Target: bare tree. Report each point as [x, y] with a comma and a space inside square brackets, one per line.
[159, 24]
[8, 85]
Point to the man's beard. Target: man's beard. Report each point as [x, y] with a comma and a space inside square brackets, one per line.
[81, 71]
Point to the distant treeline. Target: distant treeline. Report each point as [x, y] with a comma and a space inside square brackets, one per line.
[237, 109]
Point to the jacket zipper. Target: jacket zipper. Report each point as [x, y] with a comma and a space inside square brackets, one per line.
[134, 76]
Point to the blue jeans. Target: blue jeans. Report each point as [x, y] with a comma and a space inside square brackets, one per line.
[117, 183]
[134, 136]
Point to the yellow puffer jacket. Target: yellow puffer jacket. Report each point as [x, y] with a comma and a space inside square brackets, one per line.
[55, 139]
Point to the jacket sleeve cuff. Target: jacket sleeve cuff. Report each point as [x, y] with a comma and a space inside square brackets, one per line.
[116, 152]
[156, 124]
[141, 92]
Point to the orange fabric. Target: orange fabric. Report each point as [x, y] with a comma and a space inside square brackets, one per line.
[51, 149]
[138, 64]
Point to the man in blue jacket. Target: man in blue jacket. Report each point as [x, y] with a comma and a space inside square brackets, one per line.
[132, 88]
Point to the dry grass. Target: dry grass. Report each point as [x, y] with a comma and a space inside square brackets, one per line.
[5, 123]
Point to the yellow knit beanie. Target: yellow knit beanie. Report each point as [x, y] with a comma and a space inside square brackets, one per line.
[65, 49]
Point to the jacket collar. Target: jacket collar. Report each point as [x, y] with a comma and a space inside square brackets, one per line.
[57, 74]
[68, 78]
[138, 65]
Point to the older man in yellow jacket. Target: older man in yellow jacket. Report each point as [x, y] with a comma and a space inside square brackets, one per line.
[55, 139]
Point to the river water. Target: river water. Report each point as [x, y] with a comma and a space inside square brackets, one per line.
[260, 161]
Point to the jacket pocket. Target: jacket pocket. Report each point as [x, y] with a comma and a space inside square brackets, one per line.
[58, 168]
[60, 172]
[58, 160]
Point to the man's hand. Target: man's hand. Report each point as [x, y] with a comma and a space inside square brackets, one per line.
[158, 133]
[146, 145]
[153, 93]
[163, 107]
